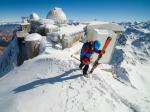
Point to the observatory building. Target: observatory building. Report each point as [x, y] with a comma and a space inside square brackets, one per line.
[56, 28]
[34, 17]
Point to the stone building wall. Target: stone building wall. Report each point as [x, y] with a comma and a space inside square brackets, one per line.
[69, 41]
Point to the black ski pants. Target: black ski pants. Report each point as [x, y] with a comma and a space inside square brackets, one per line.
[85, 67]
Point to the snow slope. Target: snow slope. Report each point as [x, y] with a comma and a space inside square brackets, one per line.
[52, 82]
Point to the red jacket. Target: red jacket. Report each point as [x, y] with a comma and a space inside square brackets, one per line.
[87, 51]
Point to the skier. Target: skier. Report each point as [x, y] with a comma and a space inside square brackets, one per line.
[87, 50]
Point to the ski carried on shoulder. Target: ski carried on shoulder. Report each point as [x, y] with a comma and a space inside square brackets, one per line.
[108, 40]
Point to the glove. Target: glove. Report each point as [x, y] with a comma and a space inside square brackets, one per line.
[101, 52]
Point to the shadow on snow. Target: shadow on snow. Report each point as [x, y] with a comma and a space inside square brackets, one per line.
[52, 80]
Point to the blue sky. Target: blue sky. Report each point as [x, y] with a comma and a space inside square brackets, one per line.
[106, 10]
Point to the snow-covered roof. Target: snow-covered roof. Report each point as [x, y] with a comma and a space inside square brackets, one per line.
[103, 31]
[34, 17]
[70, 29]
[46, 21]
[105, 25]
[48, 26]
[57, 14]
[33, 37]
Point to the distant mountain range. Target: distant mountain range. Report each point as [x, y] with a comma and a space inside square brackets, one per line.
[6, 31]
[137, 36]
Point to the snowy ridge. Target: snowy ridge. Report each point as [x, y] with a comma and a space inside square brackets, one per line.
[55, 79]
[52, 82]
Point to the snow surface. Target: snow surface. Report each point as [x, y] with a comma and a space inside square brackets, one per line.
[33, 37]
[105, 25]
[102, 31]
[71, 29]
[49, 26]
[52, 82]
[46, 21]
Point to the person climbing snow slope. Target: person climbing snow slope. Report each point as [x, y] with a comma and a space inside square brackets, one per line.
[87, 50]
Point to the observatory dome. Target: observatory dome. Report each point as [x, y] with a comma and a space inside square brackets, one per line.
[34, 17]
[57, 14]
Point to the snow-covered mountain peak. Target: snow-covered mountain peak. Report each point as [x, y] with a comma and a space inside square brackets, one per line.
[52, 81]
[137, 38]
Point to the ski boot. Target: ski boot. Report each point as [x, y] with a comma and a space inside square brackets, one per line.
[85, 75]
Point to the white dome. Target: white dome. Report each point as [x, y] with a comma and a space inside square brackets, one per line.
[34, 16]
[57, 14]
